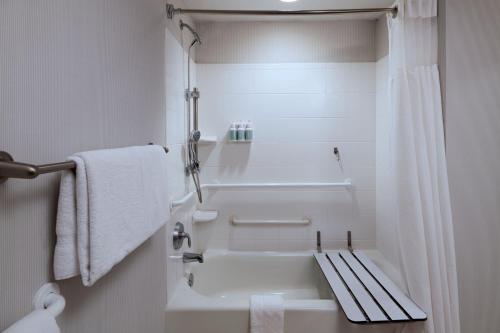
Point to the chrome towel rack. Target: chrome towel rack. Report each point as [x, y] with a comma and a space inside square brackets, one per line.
[11, 169]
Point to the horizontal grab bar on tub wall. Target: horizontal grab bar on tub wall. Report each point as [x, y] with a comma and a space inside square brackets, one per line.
[237, 221]
[182, 201]
[347, 184]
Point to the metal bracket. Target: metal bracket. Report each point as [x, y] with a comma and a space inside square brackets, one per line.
[394, 12]
[170, 11]
[5, 157]
[349, 242]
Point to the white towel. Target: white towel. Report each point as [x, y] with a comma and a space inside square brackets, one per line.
[267, 314]
[116, 201]
[38, 321]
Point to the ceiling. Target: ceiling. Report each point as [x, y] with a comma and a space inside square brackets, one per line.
[278, 5]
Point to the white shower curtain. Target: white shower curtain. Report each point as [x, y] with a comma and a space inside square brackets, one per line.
[420, 184]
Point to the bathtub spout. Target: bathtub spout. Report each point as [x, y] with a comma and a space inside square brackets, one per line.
[192, 257]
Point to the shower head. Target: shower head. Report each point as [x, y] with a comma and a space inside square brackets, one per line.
[197, 38]
[195, 136]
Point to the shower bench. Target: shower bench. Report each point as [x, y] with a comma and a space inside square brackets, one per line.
[365, 293]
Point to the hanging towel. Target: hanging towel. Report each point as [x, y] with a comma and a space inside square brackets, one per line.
[116, 200]
[267, 314]
[38, 321]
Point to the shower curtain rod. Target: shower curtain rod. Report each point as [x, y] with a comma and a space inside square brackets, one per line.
[172, 11]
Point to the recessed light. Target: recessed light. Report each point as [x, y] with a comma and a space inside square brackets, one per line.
[288, 0]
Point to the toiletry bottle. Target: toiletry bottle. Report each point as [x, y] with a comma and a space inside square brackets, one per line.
[241, 131]
[233, 132]
[249, 131]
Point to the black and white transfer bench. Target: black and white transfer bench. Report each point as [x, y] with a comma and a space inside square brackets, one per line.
[365, 293]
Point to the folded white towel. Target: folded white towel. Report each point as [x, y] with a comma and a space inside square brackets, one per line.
[116, 201]
[267, 314]
[38, 321]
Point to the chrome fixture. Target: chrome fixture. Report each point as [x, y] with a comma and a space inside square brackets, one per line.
[178, 236]
[197, 38]
[336, 152]
[193, 163]
[192, 257]
[11, 169]
[172, 11]
[318, 241]
[190, 279]
[349, 241]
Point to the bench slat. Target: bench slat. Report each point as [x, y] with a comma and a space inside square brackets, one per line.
[404, 301]
[357, 289]
[391, 308]
[345, 299]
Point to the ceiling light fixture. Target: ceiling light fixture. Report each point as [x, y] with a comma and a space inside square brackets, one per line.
[288, 0]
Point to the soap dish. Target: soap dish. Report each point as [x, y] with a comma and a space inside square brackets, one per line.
[202, 216]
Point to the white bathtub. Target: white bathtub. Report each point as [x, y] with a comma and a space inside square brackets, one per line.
[218, 302]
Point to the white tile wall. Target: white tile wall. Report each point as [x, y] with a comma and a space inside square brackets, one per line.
[300, 113]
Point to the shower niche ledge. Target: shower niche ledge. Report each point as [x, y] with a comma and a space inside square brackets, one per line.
[207, 140]
[204, 216]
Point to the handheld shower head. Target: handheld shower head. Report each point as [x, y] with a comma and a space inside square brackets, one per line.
[197, 38]
[195, 136]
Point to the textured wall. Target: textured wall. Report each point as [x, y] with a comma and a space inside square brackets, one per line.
[77, 75]
[277, 42]
[473, 137]
[381, 38]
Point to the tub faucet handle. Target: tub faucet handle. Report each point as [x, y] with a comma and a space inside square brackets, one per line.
[179, 235]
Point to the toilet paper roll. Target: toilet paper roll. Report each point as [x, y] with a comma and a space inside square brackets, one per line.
[39, 321]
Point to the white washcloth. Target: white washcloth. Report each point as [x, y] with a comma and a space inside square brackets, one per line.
[116, 201]
[39, 321]
[267, 314]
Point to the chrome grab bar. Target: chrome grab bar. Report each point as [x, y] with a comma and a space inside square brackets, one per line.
[11, 169]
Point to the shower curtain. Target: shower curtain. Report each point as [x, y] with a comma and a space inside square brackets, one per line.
[420, 184]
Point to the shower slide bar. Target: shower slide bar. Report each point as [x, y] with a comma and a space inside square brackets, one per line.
[236, 221]
[172, 11]
[11, 169]
[365, 293]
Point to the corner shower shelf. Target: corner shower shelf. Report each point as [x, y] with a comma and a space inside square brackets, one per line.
[203, 216]
[237, 221]
[239, 141]
[365, 293]
[207, 140]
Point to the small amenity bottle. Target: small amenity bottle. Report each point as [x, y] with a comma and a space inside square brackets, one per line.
[249, 131]
[241, 131]
[233, 132]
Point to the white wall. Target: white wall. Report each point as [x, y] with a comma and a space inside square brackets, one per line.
[300, 113]
[307, 87]
[472, 54]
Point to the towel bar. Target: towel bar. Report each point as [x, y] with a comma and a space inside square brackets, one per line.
[11, 169]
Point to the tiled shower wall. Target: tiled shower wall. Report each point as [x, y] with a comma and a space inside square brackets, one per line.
[301, 110]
